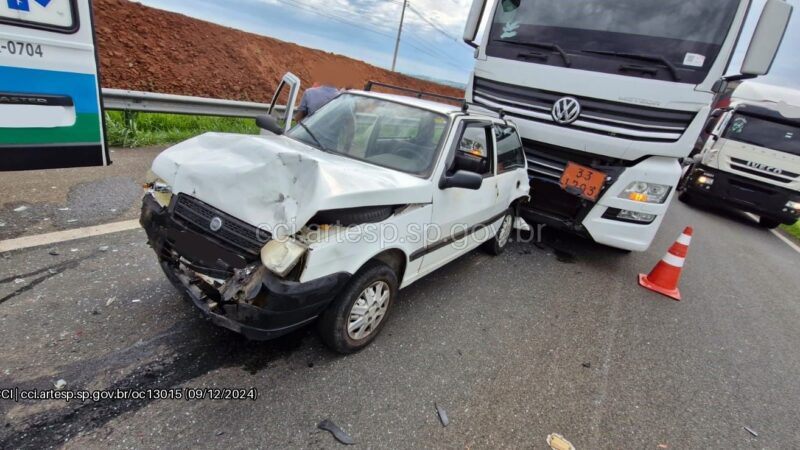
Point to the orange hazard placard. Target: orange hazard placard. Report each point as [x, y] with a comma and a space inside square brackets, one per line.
[584, 179]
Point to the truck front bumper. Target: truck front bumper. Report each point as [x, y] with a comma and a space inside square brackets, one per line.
[249, 300]
[743, 193]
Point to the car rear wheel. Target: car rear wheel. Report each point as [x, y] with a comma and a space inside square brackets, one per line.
[497, 245]
[359, 312]
[769, 224]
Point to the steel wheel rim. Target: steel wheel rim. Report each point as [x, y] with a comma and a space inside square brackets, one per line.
[369, 310]
[505, 231]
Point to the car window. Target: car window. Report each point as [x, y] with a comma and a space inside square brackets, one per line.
[377, 131]
[474, 151]
[510, 154]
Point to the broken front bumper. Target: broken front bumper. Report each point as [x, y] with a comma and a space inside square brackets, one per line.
[237, 292]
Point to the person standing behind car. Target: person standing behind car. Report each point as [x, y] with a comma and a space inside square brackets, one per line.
[327, 77]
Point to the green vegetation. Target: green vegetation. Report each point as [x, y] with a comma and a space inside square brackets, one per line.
[794, 230]
[142, 129]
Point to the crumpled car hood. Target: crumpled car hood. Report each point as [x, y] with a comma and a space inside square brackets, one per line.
[277, 183]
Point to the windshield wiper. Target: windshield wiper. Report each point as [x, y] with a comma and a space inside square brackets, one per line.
[321, 147]
[543, 45]
[641, 57]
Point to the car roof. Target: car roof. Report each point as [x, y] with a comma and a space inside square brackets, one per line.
[442, 108]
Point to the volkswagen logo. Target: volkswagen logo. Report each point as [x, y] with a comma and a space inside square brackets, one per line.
[566, 110]
[216, 224]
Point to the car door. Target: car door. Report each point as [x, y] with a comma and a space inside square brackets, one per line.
[512, 170]
[460, 215]
[50, 106]
[286, 93]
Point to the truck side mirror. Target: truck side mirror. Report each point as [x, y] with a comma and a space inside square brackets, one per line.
[474, 22]
[270, 124]
[462, 180]
[767, 38]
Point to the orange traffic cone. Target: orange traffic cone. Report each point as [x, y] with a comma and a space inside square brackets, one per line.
[666, 274]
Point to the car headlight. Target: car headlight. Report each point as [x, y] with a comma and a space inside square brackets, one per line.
[793, 206]
[640, 191]
[280, 256]
[159, 189]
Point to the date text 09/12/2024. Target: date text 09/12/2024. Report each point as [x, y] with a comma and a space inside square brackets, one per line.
[84, 395]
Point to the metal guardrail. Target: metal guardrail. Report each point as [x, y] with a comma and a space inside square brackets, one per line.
[123, 100]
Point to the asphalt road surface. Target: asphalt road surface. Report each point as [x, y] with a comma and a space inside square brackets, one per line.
[552, 337]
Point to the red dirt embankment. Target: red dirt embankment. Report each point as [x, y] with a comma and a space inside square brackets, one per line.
[147, 49]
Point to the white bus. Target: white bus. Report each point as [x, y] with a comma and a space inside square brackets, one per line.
[50, 105]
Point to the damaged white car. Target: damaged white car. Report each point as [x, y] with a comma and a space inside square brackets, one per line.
[328, 220]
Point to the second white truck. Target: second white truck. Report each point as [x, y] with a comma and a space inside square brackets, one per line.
[751, 158]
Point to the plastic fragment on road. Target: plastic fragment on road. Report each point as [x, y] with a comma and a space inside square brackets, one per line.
[338, 433]
[521, 224]
[60, 384]
[442, 415]
[750, 430]
[558, 442]
[20, 209]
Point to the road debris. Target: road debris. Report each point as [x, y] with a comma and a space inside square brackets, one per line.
[442, 415]
[337, 432]
[20, 209]
[110, 301]
[750, 430]
[558, 442]
[73, 250]
[2, 224]
[60, 384]
[63, 209]
[103, 248]
[136, 300]
[54, 252]
[19, 280]
[587, 365]
[663, 446]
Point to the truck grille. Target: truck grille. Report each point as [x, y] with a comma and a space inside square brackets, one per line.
[742, 165]
[634, 122]
[236, 234]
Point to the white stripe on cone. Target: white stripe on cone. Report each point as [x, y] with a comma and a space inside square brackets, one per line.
[685, 239]
[672, 260]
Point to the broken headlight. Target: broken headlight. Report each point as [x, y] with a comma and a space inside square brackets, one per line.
[280, 256]
[159, 189]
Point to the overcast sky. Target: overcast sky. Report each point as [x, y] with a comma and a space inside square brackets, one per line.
[366, 29]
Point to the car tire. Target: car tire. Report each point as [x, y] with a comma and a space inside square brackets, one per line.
[768, 223]
[497, 245]
[337, 326]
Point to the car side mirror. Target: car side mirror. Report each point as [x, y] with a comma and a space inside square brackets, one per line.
[462, 180]
[270, 124]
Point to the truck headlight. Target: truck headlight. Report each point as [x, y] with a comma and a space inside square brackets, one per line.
[641, 191]
[793, 206]
[280, 256]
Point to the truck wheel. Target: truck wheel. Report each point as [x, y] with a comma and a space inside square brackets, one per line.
[685, 197]
[769, 224]
[497, 245]
[359, 312]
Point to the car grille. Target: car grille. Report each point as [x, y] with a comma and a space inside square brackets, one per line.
[236, 234]
[634, 122]
[742, 165]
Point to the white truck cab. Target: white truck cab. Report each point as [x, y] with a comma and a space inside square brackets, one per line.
[329, 219]
[608, 97]
[751, 158]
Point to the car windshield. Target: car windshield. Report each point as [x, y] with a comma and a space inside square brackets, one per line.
[764, 133]
[686, 33]
[377, 131]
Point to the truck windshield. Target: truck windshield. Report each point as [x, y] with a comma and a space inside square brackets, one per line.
[764, 133]
[630, 37]
[377, 131]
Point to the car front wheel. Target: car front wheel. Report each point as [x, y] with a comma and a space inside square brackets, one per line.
[359, 312]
